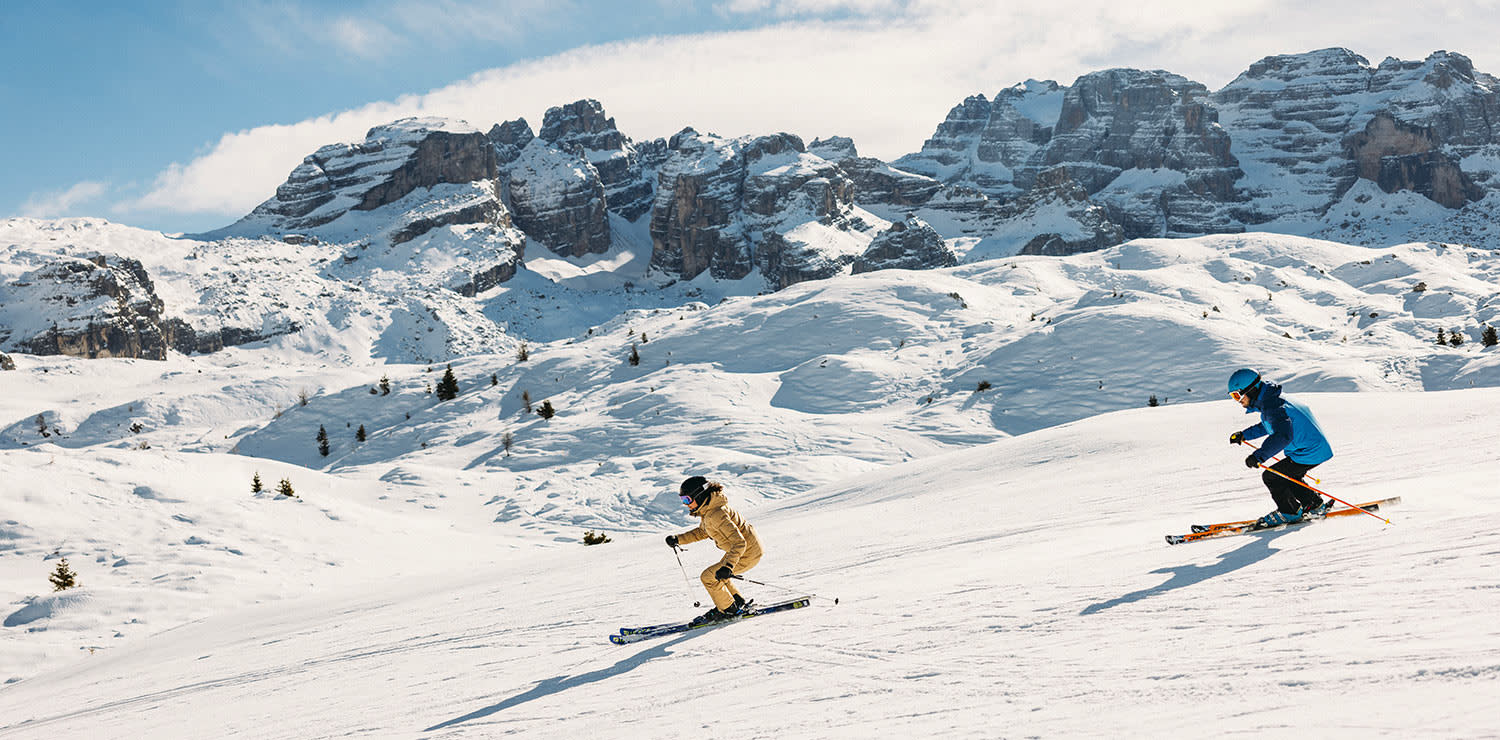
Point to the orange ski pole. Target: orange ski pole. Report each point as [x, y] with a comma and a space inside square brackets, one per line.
[1263, 466]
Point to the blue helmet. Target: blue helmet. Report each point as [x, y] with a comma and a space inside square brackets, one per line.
[1243, 380]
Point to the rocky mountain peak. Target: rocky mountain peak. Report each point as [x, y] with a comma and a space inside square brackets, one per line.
[583, 129]
[392, 162]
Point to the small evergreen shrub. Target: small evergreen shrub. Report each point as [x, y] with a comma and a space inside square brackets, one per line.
[1488, 338]
[284, 488]
[591, 538]
[359, 434]
[447, 388]
[63, 577]
[255, 484]
[635, 355]
[385, 386]
[322, 441]
[546, 411]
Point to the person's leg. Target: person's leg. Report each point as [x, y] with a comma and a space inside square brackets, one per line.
[748, 561]
[1290, 497]
[719, 591]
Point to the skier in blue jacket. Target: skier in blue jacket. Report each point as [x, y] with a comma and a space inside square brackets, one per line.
[1289, 427]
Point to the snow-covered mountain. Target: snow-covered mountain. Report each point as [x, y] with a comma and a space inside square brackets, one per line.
[428, 217]
[1320, 144]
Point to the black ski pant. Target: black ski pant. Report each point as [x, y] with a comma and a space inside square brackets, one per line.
[1290, 497]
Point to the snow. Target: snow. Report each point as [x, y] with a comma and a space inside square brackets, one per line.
[996, 552]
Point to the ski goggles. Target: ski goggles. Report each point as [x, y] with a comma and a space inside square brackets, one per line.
[687, 500]
[1238, 396]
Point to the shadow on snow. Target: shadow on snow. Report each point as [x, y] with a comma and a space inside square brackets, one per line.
[1183, 576]
[559, 684]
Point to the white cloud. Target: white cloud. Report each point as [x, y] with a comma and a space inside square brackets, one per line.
[54, 204]
[886, 80]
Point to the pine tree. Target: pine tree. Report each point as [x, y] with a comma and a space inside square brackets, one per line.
[255, 484]
[1455, 338]
[285, 488]
[322, 441]
[63, 578]
[1442, 337]
[359, 434]
[1153, 401]
[385, 386]
[635, 355]
[1488, 338]
[523, 353]
[592, 538]
[494, 380]
[447, 388]
[526, 401]
[546, 411]
[507, 440]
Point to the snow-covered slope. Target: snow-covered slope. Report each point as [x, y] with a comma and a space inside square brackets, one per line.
[149, 464]
[1020, 587]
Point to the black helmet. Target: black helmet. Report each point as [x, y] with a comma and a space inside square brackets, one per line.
[695, 488]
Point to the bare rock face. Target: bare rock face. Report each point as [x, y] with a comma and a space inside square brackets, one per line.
[986, 145]
[1312, 124]
[6, 363]
[732, 206]
[557, 198]
[107, 306]
[1161, 127]
[875, 182]
[1400, 156]
[906, 245]
[581, 128]
[393, 161]
[97, 307]
[1056, 199]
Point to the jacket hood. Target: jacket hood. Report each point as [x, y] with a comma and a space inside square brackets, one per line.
[715, 500]
[1269, 392]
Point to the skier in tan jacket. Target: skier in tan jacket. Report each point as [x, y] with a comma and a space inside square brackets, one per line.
[705, 499]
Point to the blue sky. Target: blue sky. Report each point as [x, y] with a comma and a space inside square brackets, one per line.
[182, 116]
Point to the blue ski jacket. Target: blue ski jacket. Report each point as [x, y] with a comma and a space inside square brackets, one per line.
[1291, 427]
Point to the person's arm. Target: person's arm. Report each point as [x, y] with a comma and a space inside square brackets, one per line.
[1281, 431]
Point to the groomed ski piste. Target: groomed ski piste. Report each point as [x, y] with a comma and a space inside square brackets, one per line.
[426, 585]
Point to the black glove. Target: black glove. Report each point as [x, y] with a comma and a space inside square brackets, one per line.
[1237, 438]
[672, 540]
[723, 573]
[1251, 461]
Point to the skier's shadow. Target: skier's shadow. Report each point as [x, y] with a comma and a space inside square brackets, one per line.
[559, 684]
[1258, 549]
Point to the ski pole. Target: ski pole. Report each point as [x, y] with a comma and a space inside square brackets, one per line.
[1253, 447]
[1267, 468]
[779, 588]
[678, 553]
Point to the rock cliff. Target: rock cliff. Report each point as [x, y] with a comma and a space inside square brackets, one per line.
[732, 206]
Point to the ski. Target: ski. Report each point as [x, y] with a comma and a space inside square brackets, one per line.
[1225, 529]
[628, 635]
